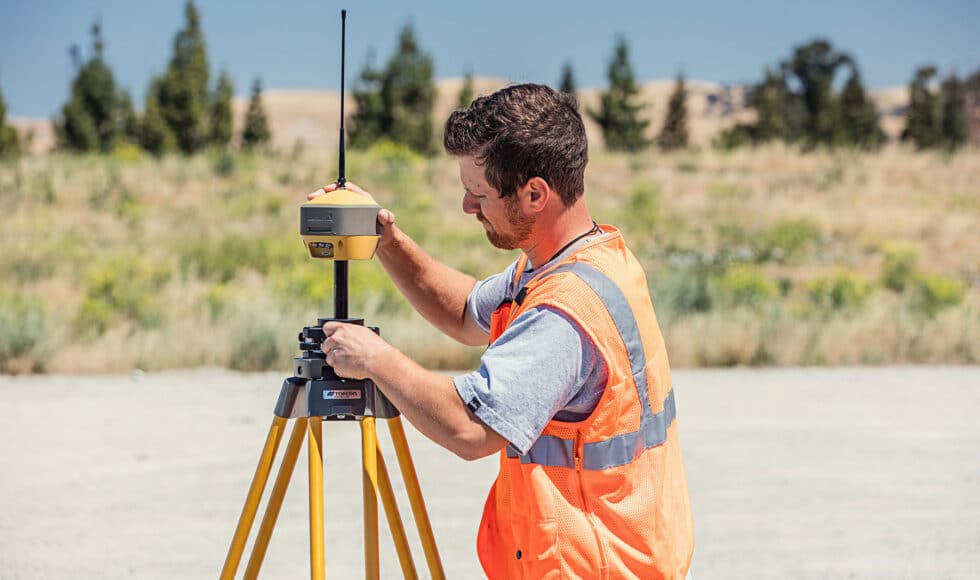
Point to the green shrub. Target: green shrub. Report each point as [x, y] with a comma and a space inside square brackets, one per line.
[680, 291]
[641, 213]
[94, 316]
[746, 286]
[255, 347]
[393, 160]
[687, 166]
[223, 162]
[785, 240]
[221, 259]
[217, 299]
[898, 269]
[121, 288]
[127, 153]
[843, 290]
[934, 293]
[22, 326]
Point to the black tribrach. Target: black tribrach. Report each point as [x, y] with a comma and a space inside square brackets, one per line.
[327, 394]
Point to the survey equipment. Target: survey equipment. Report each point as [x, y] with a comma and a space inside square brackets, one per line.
[340, 225]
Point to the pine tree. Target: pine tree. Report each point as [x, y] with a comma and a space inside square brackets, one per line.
[368, 122]
[466, 92]
[779, 113]
[673, 135]
[859, 117]
[815, 66]
[954, 131]
[256, 131]
[619, 110]
[922, 122]
[796, 103]
[396, 102]
[409, 94]
[567, 83]
[155, 135]
[220, 117]
[9, 141]
[90, 120]
[183, 93]
[127, 119]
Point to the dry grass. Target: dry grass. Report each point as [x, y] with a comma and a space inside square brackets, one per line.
[121, 262]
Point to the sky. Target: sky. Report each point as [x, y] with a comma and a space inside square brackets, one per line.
[296, 44]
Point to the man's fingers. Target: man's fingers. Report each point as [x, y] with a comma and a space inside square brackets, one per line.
[329, 328]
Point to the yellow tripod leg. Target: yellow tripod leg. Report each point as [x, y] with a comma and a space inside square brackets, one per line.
[252, 499]
[395, 521]
[415, 498]
[369, 461]
[314, 430]
[275, 499]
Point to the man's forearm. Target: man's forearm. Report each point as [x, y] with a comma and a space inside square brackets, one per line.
[437, 291]
[430, 402]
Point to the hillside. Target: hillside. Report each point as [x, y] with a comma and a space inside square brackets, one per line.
[311, 117]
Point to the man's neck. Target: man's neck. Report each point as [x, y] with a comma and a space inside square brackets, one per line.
[564, 227]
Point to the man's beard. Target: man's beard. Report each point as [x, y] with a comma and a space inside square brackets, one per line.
[520, 227]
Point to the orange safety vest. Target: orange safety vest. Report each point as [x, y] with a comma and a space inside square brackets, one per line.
[605, 497]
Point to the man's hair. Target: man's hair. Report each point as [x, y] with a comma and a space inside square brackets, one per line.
[520, 132]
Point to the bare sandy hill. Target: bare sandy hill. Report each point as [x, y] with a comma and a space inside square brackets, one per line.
[312, 117]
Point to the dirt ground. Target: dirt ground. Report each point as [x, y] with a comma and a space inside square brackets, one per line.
[794, 473]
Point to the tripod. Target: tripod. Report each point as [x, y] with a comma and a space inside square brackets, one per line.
[313, 395]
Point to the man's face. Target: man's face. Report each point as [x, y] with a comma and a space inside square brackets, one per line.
[506, 224]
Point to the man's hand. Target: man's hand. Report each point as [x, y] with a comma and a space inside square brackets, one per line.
[351, 349]
[385, 218]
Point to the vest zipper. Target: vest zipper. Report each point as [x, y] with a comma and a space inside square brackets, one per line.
[586, 506]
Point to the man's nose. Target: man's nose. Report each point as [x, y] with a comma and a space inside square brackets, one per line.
[470, 205]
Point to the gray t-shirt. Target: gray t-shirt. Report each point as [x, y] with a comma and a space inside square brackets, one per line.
[542, 367]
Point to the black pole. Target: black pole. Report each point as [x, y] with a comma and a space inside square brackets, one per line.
[340, 289]
[340, 271]
[342, 179]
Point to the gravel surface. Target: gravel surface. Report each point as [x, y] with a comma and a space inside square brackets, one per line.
[794, 473]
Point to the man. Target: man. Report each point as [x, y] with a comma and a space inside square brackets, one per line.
[574, 389]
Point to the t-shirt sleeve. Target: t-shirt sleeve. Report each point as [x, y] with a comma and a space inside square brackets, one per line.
[487, 295]
[526, 376]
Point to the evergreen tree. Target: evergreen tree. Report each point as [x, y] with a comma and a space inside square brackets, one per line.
[954, 129]
[256, 131]
[567, 83]
[220, 117]
[409, 94]
[673, 135]
[127, 119]
[183, 93]
[369, 121]
[780, 113]
[466, 92]
[9, 141]
[155, 135]
[815, 66]
[796, 102]
[397, 102]
[859, 117]
[619, 110]
[922, 121]
[90, 120]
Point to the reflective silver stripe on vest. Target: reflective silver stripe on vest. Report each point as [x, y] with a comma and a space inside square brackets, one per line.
[619, 450]
[552, 451]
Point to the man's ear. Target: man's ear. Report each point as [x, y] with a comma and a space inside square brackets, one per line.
[537, 193]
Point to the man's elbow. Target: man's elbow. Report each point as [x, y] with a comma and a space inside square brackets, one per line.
[470, 449]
